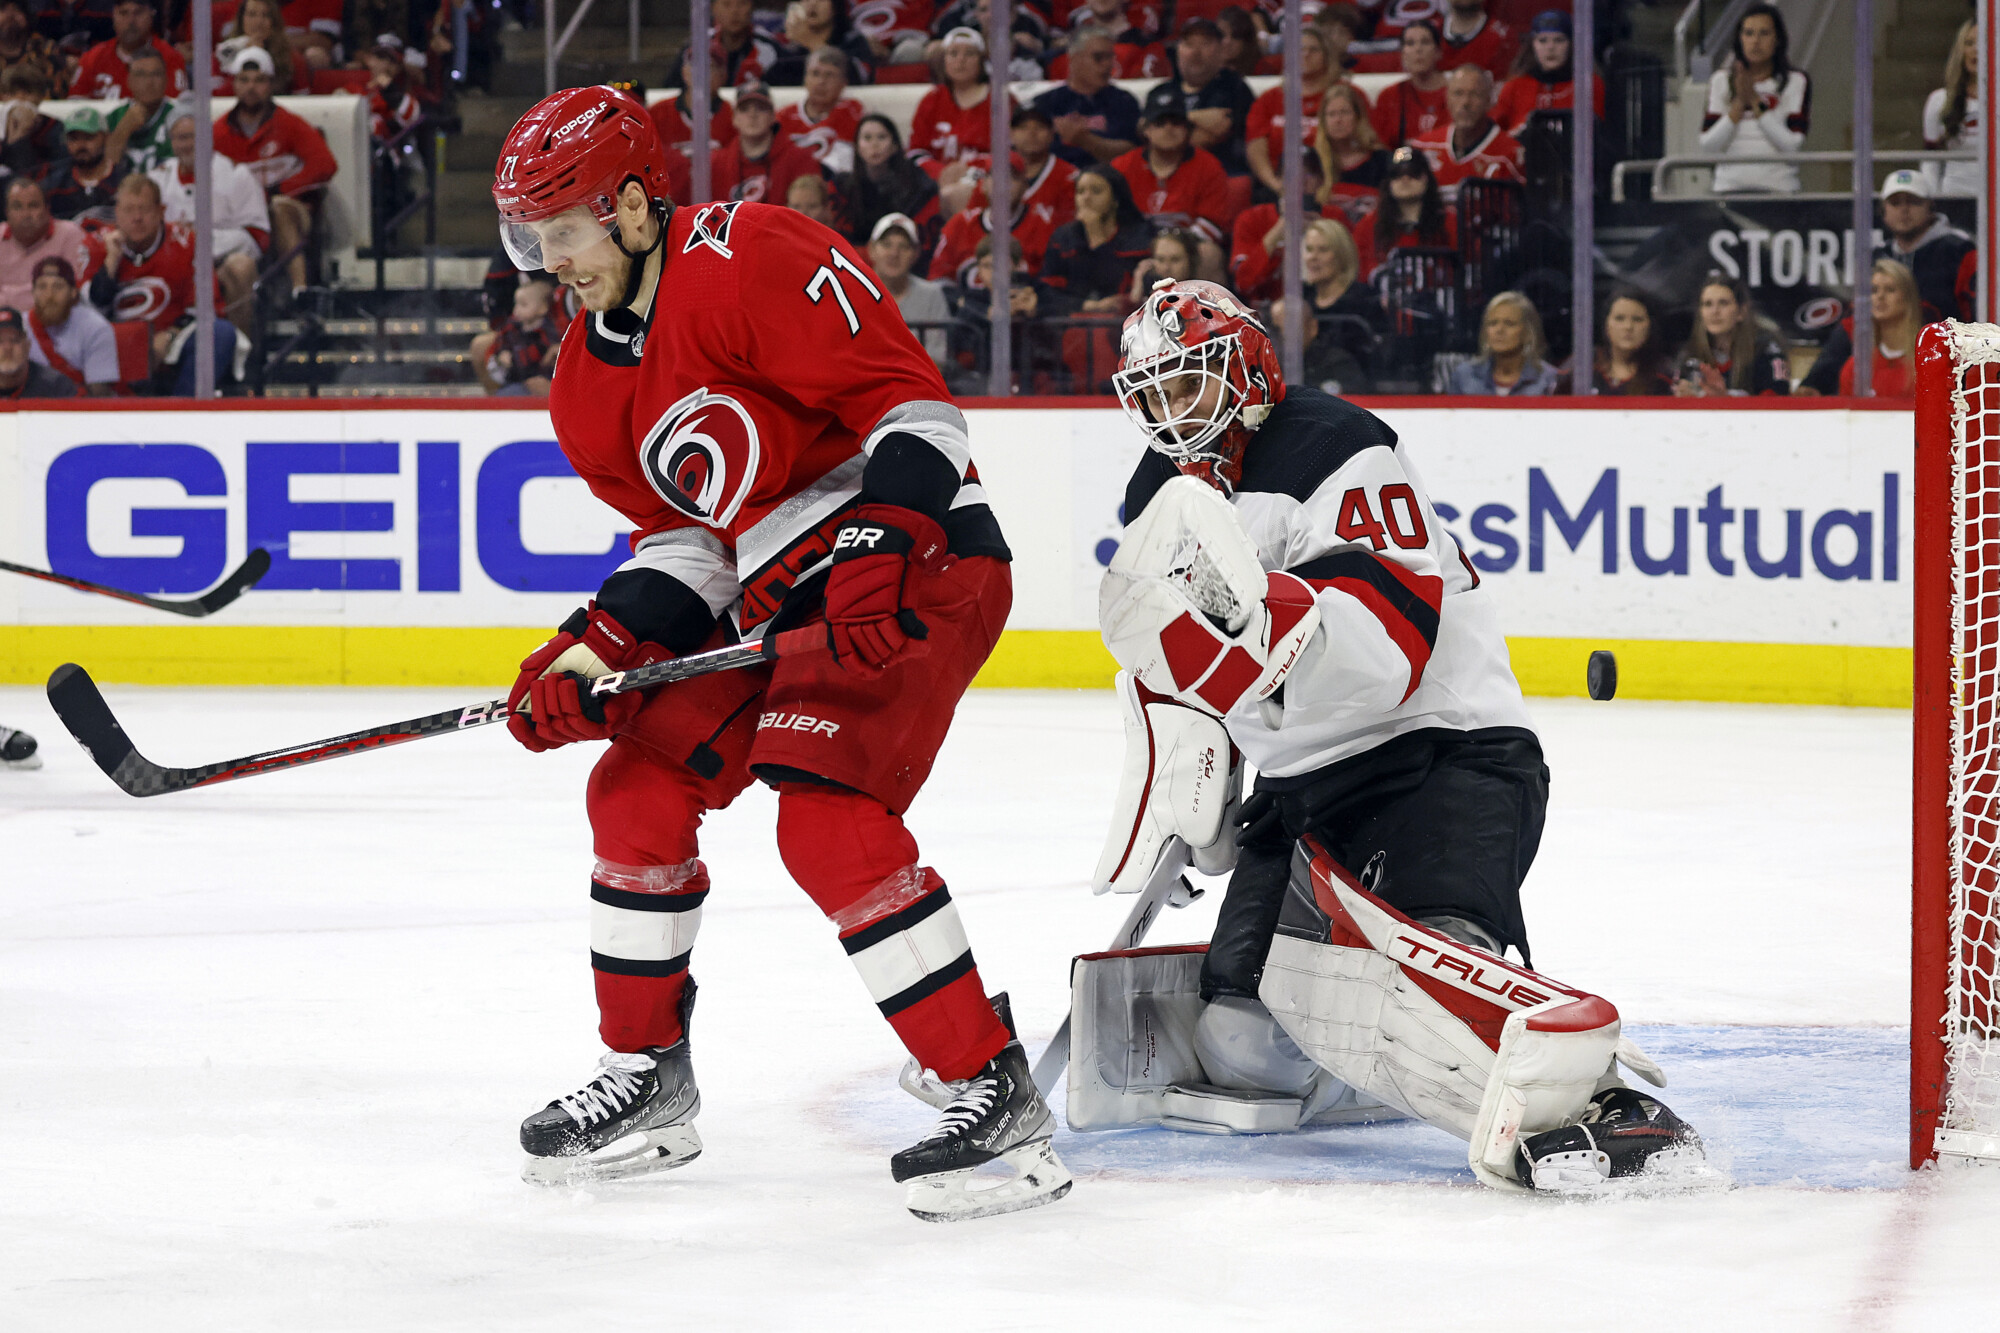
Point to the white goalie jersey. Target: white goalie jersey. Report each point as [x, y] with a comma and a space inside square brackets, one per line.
[1406, 640]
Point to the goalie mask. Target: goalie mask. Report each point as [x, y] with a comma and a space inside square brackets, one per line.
[1198, 374]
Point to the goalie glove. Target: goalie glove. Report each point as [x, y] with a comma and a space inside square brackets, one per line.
[1187, 607]
[1181, 778]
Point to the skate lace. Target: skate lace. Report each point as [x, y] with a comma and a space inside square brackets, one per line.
[967, 1109]
[614, 1089]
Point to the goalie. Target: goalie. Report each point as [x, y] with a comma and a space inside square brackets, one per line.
[1285, 596]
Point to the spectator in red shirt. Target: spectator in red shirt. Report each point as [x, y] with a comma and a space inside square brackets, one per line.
[762, 164]
[1543, 79]
[1176, 184]
[1264, 141]
[1414, 107]
[1049, 183]
[824, 122]
[673, 119]
[1472, 37]
[392, 101]
[954, 121]
[746, 53]
[148, 275]
[1411, 211]
[1473, 145]
[103, 73]
[287, 155]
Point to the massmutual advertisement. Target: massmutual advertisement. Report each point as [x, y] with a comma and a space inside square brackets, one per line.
[1724, 553]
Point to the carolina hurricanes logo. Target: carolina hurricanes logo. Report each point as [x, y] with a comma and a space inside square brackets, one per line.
[142, 298]
[1821, 312]
[711, 228]
[819, 141]
[876, 19]
[702, 456]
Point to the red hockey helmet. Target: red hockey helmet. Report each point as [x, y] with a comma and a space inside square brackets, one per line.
[1185, 338]
[574, 150]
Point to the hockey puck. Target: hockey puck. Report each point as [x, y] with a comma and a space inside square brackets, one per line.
[1601, 676]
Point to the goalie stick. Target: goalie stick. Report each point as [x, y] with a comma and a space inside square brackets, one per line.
[1166, 887]
[240, 580]
[77, 701]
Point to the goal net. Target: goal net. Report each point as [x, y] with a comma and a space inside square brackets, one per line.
[1955, 957]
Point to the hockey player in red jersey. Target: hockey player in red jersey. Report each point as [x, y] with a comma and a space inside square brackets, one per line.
[1286, 597]
[741, 390]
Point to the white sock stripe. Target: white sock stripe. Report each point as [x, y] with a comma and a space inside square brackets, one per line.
[894, 965]
[644, 937]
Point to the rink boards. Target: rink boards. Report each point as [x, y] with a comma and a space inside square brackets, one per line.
[1747, 553]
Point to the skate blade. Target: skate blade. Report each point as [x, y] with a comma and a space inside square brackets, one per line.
[644, 1154]
[960, 1196]
[1673, 1171]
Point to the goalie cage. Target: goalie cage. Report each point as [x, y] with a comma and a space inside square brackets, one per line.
[1955, 845]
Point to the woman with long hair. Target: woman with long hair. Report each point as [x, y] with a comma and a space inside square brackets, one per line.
[1897, 312]
[1352, 162]
[1344, 319]
[1758, 105]
[1413, 107]
[1513, 353]
[885, 181]
[1176, 254]
[1264, 127]
[1951, 115]
[1543, 78]
[1409, 211]
[1243, 42]
[260, 23]
[954, 121]
[1630, 361]
[1727, 355]
[1089, 262]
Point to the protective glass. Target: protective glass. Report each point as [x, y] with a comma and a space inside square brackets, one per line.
[547, 242]
[1182, 433]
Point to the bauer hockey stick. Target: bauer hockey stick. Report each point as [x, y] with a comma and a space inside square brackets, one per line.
[239, 581]
[77, 701]
[1166, 887]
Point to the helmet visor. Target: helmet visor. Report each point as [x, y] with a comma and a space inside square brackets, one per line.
[547, 242]
[1181, 400]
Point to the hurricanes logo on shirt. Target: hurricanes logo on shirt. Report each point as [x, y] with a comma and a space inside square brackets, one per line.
[702, 456]
[142, 298]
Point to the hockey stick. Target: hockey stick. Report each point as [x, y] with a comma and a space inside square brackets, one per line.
[76, 699]
[1166, 887]
[243, 578]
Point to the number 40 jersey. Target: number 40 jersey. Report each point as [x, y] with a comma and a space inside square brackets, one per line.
[732, 424]
[1408, 640]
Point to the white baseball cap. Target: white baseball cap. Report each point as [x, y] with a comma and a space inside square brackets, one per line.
[1906, 182]
[896, 222]
[252, 57]
[965, 37]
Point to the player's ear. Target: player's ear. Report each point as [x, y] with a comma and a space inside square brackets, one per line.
[635, 216]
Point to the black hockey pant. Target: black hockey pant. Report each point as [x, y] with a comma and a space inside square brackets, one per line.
[1458, 816]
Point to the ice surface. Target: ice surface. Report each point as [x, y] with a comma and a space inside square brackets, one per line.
[264, 1049]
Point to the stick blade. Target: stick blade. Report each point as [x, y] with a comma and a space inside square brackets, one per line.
[246, 577]
[77, 701]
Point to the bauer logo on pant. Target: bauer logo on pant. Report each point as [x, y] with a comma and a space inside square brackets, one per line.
[796, 722]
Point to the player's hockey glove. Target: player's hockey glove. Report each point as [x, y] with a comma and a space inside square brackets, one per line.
[880, 554]
[551, 703]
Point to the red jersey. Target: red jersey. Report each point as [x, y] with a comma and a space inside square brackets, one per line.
[670, 119]
[1050, 193]
[956, 259]
[1195, 194]
[157, 285]
[1403, 112]
[105, 70]
[830, 139]
[762, 180]
[885, 20]
[1266, 120]
[769, 359]
[1522, 97]
[285, 153]
[1371, 252]
[948, 132]
[1495, 157]
[392, 110]
[303, 16]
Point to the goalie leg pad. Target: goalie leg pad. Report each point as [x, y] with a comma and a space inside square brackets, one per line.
[1180, 778]
[1452, 1035]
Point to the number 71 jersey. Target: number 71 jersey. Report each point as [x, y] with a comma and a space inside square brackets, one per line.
[770, 356]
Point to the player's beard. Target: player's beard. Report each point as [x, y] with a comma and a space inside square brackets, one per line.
[603, 289]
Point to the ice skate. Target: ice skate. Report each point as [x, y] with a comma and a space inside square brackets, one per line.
[635, 1117]
[997, 1116]
[17, 749]
[1625, 1143]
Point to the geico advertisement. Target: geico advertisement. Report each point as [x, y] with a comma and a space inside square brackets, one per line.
[371, 518]
[1733, 526]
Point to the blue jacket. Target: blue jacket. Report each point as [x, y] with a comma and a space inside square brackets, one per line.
[1475, 379]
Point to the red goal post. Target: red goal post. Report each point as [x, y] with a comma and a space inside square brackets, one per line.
[1955, 843]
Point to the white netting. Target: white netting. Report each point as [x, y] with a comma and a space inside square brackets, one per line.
[1970, 1123]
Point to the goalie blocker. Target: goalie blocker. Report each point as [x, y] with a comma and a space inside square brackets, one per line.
[1379, 1017]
